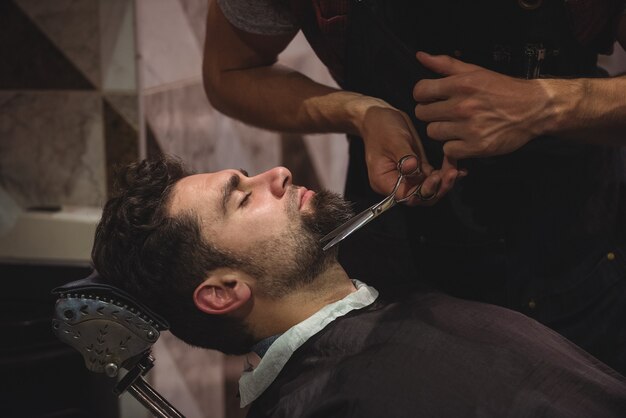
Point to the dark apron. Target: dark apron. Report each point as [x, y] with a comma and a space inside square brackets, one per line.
[536, 231]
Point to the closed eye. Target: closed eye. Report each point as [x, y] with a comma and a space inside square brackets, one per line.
[245, 200]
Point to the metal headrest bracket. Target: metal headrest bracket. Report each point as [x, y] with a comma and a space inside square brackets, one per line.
[107, 333]
[112, 331]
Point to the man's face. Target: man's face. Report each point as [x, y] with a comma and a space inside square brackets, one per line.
[264, 220]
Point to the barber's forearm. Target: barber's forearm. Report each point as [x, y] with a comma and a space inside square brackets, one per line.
[589, 110]
[281, 99]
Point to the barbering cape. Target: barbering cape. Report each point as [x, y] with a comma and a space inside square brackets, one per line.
[432, 355]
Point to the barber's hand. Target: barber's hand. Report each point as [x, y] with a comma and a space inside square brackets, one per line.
[478, 112]
[389, 135]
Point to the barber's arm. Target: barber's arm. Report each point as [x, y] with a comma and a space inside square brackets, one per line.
[243, 80]
[481, 113]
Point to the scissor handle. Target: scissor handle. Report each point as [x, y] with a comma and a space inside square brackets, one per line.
[416, 171]
[401, 176]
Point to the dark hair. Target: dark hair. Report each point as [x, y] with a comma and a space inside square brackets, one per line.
[160, 259]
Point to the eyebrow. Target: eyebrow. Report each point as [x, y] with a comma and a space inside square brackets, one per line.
[229, 187]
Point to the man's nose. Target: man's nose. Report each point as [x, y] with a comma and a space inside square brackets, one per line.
[278, 179]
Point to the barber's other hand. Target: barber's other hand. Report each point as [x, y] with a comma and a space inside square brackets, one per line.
[388, 135]
[477, 112]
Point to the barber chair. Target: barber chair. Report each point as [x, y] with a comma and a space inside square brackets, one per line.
[112, 331]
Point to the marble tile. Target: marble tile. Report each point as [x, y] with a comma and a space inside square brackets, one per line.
[196, 11]
[121, 143]
[191, 379]
[185, 125]
[127, 105]
[72, 26]
[169, 50]
[51, 148]
[29, 59]
[118, 45]
[153, 149]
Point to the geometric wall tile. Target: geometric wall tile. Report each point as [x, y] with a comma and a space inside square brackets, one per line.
[127, 105]
[121, 143]
[51, 148]
[299, 56]
[196, 11]
[185, 125]
[73, 27]
[117, 45]
[29, 59]
[169, 50]
[153, 149]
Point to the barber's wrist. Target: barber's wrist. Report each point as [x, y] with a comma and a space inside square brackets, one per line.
[359, 111]
[564, 106]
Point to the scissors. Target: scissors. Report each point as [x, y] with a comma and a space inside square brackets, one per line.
[374, 211]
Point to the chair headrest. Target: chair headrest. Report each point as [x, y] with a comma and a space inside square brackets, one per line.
[95, 285]
[109, 327]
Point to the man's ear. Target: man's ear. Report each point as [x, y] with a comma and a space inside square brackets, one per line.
[222, 292]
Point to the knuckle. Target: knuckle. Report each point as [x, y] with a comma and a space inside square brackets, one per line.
[463, 109]
[448, 60]
[491, 148]
[485, 147]
[467, 83]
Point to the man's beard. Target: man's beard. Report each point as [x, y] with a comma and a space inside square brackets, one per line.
[329, 211]
[297, 256]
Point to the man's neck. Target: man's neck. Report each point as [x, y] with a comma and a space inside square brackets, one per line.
[275, 316]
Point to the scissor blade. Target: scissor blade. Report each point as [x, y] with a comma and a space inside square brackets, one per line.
[347, 228]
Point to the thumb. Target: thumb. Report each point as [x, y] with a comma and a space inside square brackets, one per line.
[444, 64]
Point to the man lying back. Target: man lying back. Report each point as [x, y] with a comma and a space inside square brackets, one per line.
[234, 263]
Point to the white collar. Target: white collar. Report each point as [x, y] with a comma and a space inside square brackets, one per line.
[253, 383]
